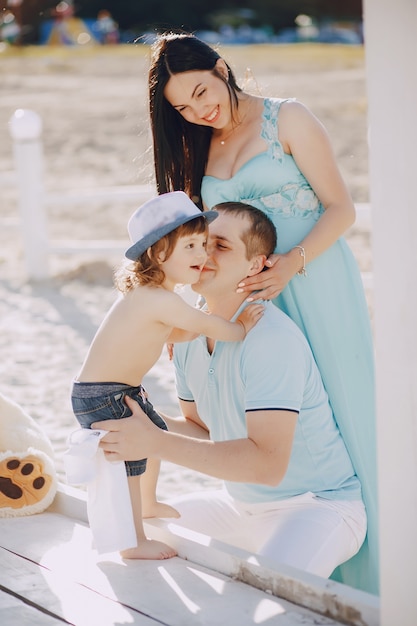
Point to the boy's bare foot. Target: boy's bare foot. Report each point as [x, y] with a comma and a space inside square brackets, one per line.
[149, 549]
[158, 509]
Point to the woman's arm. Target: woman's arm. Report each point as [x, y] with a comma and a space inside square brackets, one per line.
[306, 139]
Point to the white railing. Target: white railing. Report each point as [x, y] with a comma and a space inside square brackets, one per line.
[26, 130]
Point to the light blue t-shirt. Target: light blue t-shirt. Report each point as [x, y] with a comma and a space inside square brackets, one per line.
[273, 368]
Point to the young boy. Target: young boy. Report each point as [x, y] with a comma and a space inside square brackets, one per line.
[169, 235]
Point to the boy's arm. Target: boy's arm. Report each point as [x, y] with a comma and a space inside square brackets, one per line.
[183, 317]
[178, 335]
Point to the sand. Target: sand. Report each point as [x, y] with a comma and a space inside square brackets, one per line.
[93, 103]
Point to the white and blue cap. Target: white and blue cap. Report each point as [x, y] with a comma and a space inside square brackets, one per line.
[160, 216]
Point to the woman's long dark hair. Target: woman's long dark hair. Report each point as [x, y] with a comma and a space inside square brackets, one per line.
[180, 148]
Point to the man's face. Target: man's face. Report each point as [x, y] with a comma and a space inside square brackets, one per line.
[226, 263]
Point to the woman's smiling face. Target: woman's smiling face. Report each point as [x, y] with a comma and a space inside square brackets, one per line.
[200, 97]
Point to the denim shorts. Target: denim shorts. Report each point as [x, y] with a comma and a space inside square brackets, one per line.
[95, 402]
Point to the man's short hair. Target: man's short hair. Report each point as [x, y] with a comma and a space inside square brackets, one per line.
[261, 236]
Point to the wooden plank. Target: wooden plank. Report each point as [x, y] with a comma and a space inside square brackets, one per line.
[15, 612]
[61, 571]
[51, 597]
[326, 597]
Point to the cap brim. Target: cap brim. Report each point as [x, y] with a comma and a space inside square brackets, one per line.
[135, 252]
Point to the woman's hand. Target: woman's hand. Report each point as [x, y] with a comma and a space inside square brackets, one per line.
[270, 282]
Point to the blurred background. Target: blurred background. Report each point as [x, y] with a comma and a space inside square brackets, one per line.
[89, 22]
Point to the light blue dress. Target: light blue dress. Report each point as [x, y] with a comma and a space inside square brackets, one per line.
[328, 305]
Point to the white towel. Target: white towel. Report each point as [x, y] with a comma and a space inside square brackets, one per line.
[109, 507]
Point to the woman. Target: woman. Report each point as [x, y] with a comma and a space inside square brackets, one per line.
[219, 143]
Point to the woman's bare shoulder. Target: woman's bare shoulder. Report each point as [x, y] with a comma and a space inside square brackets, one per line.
[296, 120]
[294, 109]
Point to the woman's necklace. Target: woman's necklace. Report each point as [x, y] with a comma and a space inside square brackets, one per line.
[223, 140]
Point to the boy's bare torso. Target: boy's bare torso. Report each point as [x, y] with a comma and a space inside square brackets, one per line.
[131, 337]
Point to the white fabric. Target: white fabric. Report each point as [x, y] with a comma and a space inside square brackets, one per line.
[109, 507]
[307, 532]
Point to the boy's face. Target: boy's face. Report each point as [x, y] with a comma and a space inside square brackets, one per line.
[186, 261]
[226, 263]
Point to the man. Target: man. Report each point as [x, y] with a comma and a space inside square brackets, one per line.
[255, 414]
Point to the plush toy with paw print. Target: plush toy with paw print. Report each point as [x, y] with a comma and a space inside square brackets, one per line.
[28, 480]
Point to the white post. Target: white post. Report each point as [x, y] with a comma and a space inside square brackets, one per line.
[391, 54]
[26, 129]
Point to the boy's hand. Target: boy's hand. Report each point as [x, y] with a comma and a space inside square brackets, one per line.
[251, 315]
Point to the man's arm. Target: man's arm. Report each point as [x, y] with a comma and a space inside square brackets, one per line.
[261, 458]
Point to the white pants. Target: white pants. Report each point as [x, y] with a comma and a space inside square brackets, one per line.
[308, 532]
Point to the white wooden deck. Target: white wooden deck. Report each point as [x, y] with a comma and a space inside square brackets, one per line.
[49, 574]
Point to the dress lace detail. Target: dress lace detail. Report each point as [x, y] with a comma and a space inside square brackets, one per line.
[294, 199]
[269, 130]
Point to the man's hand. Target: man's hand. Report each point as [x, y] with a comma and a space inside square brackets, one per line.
[130, 438]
